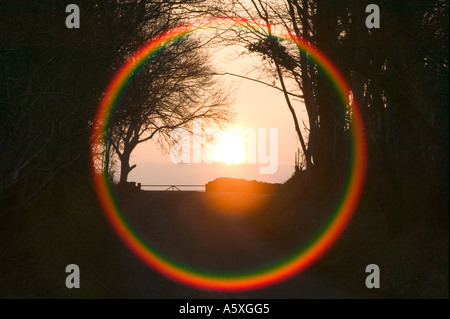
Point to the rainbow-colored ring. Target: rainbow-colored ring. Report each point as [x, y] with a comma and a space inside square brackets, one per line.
[300, 260]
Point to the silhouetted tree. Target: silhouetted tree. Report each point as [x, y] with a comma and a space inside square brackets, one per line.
[398, 75]
[52, 79]
[172, 90]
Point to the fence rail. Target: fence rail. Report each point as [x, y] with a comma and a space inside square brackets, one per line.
[173, 187]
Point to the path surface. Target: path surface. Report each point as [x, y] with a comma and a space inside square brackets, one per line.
[207, 231]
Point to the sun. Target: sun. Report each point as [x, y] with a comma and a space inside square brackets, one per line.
[229, 148]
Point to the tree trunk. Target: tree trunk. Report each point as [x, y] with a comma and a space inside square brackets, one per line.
[125, 167]
[329, 105]
[294, 116]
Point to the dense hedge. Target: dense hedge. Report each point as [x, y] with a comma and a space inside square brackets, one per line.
[223, 184]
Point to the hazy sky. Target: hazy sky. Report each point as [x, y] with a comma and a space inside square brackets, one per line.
[258, 106]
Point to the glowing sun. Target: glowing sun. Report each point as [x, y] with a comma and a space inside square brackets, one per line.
[229, 148]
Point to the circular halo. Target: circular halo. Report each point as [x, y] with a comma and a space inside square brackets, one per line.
[303, 257]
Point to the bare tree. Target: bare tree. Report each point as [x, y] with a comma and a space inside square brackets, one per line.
[52, 80]
[172, 90]
[284, 63]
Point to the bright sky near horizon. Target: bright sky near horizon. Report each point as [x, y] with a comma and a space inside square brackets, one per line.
[257, 107]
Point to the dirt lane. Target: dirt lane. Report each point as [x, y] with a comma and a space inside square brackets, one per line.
[206, 231]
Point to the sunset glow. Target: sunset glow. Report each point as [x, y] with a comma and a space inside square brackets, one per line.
[229, 148]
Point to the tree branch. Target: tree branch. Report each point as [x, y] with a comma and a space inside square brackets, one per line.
[261, 82]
